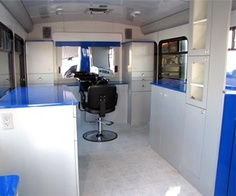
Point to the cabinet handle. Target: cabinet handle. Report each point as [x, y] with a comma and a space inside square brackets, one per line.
[142, 74]
[203, 112]
[39, 78]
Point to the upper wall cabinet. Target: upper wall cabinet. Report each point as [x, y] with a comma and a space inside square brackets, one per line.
[39, 60]
[197, 80]
[200, 25]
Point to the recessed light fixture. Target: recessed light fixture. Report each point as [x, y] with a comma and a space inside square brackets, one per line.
[135, 13]
[59, 10]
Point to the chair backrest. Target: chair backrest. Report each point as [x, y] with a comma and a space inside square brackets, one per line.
[101, 99]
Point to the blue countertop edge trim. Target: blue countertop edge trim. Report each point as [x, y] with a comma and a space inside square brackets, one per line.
[168, 87]
[23, 97]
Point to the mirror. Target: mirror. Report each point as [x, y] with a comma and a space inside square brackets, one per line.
[100, 60]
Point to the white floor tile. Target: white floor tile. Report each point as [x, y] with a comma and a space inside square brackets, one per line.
[127, 166]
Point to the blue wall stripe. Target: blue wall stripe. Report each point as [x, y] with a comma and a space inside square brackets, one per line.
[87, 44]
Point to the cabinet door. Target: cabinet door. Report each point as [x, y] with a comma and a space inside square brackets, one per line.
[197, 80]
[140, 107]
[142, 56]
[39, 57]
[44, 79]
[156, 118]
[194, 130]
[172, 127]
[200, 26]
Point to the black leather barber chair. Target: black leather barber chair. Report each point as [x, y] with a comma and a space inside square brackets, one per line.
[101, 99]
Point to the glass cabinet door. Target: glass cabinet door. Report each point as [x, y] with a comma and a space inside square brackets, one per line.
[173, 59]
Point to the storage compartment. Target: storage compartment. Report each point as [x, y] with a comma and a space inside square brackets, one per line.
[173, 58]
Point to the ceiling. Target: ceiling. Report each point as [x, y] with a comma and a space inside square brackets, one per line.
[130, 12]
[119, 11]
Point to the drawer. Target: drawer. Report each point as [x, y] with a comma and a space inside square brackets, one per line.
[143, 74]
[40, 79]
[140, 85]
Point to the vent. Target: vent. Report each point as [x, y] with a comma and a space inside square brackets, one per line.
[128, 33]
[100, 10]
[47, 33]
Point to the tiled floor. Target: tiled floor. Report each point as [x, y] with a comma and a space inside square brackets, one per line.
[127, 166]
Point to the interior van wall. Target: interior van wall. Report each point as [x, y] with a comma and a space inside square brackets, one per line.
[233, 19]
[86, 27]
[7, 19]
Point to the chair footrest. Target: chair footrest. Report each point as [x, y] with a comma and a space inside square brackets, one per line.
[106, 122]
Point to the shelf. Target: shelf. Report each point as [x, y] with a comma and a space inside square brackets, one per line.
[196, 93]
[200, 21]
[197, 85]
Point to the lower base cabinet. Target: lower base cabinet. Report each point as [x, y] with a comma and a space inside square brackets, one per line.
[193, 139]
[42, 149]
[167, 124]
[139, 107]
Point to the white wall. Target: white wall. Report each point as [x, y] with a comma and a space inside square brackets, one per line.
[92, 31]
[7, 19]
[233, 19]
[85, 27]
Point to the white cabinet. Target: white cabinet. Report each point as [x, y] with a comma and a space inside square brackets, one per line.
[39, 60]
[139, 111]
[197, 80]
[199, 52]
[200, 27]
[42, 149]
[194, 130]
[138, 71]
[167, 124]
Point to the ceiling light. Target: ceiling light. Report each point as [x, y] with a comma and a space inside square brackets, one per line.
[59, 10]
[135, 13]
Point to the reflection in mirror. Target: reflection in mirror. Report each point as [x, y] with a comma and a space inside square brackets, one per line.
[101, 61]
[70, 61]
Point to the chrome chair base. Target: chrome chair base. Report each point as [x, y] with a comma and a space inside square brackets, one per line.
[104, 136]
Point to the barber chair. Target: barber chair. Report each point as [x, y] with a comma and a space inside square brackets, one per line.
[100, 99]
[87, 79]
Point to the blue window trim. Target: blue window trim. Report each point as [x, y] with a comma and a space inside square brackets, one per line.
[87, 43]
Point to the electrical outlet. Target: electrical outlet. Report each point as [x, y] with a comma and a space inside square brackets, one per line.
[7, 121]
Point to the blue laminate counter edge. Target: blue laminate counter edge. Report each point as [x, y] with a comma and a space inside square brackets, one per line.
[38, 96]
[176, 85]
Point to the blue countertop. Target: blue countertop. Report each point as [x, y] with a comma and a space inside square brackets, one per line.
[176, 85]
[38, 96]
